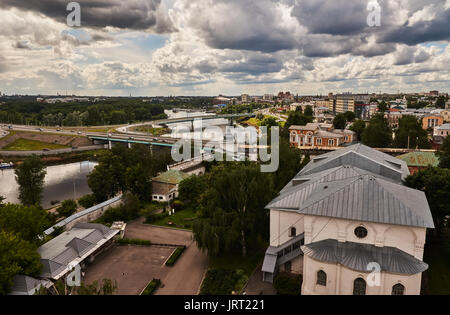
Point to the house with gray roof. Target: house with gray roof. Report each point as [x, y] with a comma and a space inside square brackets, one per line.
[347, 219]
[74, 247]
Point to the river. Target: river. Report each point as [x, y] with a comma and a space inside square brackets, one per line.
[62, 182]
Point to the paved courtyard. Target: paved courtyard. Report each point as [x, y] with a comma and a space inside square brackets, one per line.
[134, 266]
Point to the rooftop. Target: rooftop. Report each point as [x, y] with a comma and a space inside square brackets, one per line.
[171, 177]
[420, 159]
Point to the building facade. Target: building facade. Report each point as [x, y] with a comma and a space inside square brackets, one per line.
[349, 226]
[319, 135]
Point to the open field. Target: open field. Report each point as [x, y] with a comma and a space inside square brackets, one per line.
[153, 131]
[31, 145]
[32, 141]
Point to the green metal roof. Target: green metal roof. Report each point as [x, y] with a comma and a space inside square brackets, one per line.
[171, 177]
[420, 159]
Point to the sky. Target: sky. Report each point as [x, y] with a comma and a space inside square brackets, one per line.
[229, 47]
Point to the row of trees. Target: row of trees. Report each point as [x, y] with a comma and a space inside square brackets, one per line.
[111, 112]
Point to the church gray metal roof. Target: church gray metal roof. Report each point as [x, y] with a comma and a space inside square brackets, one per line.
[357, 256]
[369, 199]
[362, 157]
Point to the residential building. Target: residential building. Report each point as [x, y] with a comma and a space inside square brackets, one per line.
[165, 185]
[417, 161]
[442, 131]
[221, 100]
[268, 97]
[446, 115]
[319, 135]
[245, 98]
[432, 121]
[347, 102]
[344, 215]
[77, 246]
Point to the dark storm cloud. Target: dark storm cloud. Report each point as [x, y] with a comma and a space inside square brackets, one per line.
[425, 31]
[255, 64]
[337, 17]
[130, 14]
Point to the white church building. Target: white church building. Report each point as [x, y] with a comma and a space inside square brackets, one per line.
[349, 226]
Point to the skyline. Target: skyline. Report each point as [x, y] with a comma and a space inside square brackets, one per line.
[180, 47]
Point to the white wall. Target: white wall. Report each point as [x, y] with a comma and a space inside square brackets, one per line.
[280, 224]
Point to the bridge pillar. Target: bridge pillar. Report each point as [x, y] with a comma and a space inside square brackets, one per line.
[110, 144]
[129, 145]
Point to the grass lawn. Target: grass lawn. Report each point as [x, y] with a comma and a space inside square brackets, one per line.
[182, 219]
[437, 256]
[31, 145]
[153, 131]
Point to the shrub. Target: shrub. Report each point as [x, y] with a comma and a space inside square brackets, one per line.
[57, 230]
[156, 217]
[134, 241]
[288, 284]
[87, 201]
[126, 212]
[174, 257]
[67, 208]
[177, 205]
[151, 287]
[220, 282]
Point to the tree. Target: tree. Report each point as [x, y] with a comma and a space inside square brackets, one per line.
[269, 122]
[350, 116]
[299, 109]
[295, 119]
[444, 154]
[358, 127]
[260, 117]
[67, 208]
[377, 134]
[30, 177]
[339, 121]
[191, 189]
[309, 111]
[410, 134]
[382, 107]
[440, 102]
[435, 182]
[17, 257]
[28, 222]
[139, 182]
[232, 217]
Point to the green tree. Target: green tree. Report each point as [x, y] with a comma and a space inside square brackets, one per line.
[358, 127]
[435, 182]
[269, 122]
[377, 134]
[28, 222]
[382, 107]
[410, 134]
[67, 208]
[299, 109]
[440, 102]
[260, 117]
[350, 116]
[232, 217]
[191, 189]
[17, 257]
[295, 119]
[339, 121]
[444, 154]
[139, 182]
[30, 177]
[309, 111]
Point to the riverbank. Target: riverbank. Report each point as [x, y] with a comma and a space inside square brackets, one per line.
[58, 159]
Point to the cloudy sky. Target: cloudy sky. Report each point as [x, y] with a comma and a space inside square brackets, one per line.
[210, 47]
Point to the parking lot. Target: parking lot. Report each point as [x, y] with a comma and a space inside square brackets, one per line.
[133, 267]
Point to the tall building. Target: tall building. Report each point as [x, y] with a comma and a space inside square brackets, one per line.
[245, 98]
[347, 102]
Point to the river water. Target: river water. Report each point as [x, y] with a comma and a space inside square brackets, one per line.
[62, 182]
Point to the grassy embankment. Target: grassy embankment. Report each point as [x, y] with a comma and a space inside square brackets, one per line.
[32, 145]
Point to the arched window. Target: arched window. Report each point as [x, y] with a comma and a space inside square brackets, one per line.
[293, 232]
[398, 289]
[359, 287]
[321, 278]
